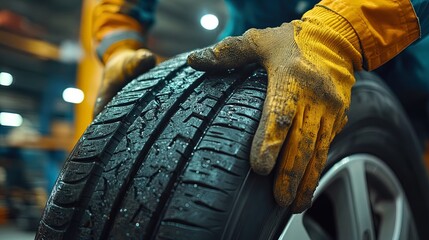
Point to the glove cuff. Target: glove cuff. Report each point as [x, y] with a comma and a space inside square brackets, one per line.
[321, 17]
[384, 27]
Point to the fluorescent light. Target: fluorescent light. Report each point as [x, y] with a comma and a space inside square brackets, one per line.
[10, 119]
[73, 95]
[6, 79]
[209, 21]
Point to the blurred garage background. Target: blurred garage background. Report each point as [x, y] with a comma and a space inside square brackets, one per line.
[48, 83]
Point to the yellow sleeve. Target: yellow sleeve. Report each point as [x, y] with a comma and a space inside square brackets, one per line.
[121, 24]
[384, 27]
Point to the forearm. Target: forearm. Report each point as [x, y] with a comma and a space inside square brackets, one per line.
[121, 23]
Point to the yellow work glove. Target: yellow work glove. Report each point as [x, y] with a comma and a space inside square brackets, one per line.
[121, 67]
[310, 65]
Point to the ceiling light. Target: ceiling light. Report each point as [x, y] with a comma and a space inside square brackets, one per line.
[10, 119]
[6, 79]
[209, 21]
[70, 51]
[73, 95]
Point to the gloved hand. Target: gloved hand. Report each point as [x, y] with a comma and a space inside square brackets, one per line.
[121, 67]
[310, 65]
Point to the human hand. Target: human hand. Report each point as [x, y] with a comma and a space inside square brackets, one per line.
[120, 68]
[310, 65]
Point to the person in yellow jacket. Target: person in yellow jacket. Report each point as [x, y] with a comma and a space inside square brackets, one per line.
[310, 61]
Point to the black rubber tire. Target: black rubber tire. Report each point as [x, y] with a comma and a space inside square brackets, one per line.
[168, 159]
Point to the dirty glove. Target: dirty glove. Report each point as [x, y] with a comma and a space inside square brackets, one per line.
[121, 67]
[310, 64]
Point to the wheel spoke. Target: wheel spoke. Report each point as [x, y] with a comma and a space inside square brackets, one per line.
[365, 194]
[360, 201]
[295, 229]
[393, 207]
[405, 226]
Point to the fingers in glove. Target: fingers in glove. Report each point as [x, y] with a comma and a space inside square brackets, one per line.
[230, 53]
[277, 116]
[314, 169]
[141, 62]
[295, 155]
[121, 70]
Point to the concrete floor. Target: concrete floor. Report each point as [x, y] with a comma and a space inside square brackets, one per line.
[12, 232]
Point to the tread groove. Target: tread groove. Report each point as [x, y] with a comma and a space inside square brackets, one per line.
[142, 155]
[182, 163]
[221, 152]
[160, 211]
[185, 223]
[204, 185]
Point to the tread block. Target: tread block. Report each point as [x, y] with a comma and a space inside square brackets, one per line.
[89, 149]
[75, 171]
[57, 216]
[101, 131]
[45, 232]
[66, 194]
[113, 113]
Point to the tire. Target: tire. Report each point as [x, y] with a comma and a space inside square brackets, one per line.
[168, 159]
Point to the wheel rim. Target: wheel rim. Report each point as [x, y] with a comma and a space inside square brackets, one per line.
[358, 198]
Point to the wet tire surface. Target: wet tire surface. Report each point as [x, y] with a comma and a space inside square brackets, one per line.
[164, 160]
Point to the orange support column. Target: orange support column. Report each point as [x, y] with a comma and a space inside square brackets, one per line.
[89, 71]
